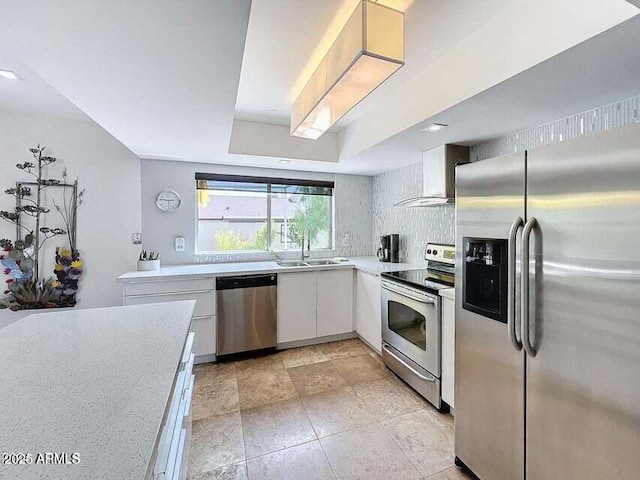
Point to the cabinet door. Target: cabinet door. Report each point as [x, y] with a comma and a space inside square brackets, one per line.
[448, 349]
[335, 302]
[368, 309]
[205, 339]
[296, 306]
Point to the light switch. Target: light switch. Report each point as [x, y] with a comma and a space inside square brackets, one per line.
[137, 239]
[179, 243]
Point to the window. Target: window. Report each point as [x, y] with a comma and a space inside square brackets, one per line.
[238, 213]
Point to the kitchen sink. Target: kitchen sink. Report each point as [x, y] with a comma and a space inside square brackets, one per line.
[292, 263]
[322, 262]
[306, 263]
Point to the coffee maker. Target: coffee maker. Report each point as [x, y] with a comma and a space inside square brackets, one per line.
[389, 250]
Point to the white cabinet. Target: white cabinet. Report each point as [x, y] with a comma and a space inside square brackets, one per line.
[448, 345]
[314, 304]
[368, 308]
[335, 302]
[201, 290]
[296, 306]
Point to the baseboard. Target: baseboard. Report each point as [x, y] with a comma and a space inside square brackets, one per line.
[316, 341]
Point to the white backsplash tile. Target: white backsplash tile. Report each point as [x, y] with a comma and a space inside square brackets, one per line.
[416, 226]
[614, 115]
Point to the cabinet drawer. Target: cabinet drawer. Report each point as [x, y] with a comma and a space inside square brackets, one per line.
[173, 286]
[205, 305]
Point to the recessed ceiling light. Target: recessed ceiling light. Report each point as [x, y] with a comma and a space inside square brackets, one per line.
[284, 160]
[435, 127]
[8, 74]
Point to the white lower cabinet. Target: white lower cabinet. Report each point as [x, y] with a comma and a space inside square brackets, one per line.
[448, 346]
[314, 304]
[369, 308]
[335, 302]
[296, 306]
[201, 290]
[171, 454]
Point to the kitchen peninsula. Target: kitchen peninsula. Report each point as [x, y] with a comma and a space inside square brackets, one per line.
[91, 393]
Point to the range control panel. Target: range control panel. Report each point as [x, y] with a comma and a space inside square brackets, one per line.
[440, 253]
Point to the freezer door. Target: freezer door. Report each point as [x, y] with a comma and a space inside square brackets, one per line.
[489, 370]
[583, 385]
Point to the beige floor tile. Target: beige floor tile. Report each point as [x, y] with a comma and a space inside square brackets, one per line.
[236, 471]
[306, 461]
[209, 372]
[388, 397]
[367, 453]
[216, 442]
[276, 426]
[360, 368]
[262, 386]
[316, 378]
[215, 398]
[452, 473]
[345, 348]
[270, 361]
[294, 357]
[426, 438]
[335, 411]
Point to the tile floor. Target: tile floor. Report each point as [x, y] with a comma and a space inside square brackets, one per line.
[330, 411]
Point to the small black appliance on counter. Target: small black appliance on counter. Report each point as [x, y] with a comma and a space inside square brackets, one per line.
[389, 250]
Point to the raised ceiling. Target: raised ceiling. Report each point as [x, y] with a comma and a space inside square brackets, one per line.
[286, 39]
[163, 77]
[160, 75]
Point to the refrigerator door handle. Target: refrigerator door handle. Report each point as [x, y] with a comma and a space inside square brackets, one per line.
[511, 284]
[524, 301]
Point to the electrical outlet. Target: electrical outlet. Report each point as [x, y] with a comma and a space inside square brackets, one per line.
[179, 244]
[345, 240]
[137, 239]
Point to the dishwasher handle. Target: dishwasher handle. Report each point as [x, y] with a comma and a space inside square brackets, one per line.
[246, 281]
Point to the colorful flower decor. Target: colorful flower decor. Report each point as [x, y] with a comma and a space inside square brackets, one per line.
[20, 259]
[68, 270]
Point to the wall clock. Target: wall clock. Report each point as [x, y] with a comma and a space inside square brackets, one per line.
[168, 201]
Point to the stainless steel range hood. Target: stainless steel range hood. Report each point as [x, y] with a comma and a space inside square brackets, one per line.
[438, 176]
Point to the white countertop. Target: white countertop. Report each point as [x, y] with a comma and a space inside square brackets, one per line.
[176, 272]
[375, 266]
[93, 381]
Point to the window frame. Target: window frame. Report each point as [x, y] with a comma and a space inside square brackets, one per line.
[269, 182]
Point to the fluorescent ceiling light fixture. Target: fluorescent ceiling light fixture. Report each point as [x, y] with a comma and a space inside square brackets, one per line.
[8, 74]
[368, 50]
[435, 127]
[284, 160]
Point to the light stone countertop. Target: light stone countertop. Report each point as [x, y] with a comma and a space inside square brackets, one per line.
[369, 264]
[95, 382]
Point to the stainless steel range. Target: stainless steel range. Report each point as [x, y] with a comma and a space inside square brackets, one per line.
[412, 321]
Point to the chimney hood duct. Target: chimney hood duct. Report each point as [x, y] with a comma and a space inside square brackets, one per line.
[438, 176]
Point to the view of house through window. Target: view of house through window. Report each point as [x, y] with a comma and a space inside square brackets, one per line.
[238, 213]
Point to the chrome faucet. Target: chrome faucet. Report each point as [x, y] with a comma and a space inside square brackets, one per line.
[302, 255]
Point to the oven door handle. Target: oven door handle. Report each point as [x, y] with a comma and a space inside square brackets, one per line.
[405, 292]
[407, 366]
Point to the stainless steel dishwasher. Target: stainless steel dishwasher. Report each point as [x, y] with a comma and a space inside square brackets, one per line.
[246, 313]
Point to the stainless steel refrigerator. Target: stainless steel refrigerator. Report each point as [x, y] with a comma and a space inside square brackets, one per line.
[547, 372]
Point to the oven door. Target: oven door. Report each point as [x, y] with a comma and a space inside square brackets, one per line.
[411, 324]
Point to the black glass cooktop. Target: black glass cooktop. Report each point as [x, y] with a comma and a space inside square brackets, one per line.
[424, 278]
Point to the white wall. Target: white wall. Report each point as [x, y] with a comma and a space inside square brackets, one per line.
[108, 171]
[352, 209]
